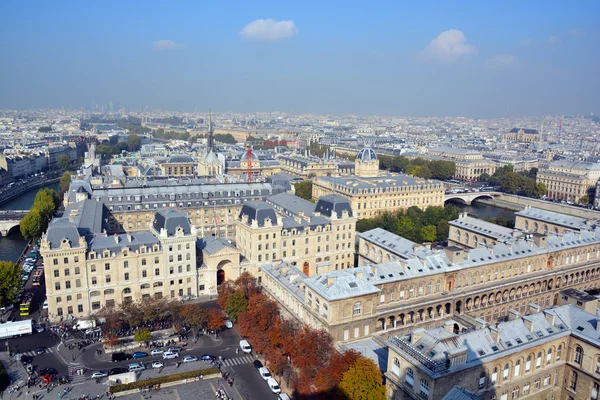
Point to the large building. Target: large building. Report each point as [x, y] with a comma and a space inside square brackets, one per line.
[550, 354]
[472, 232]
[570, 180]
[522, 135]
[316, 238]
[470, 164]
[536, 220]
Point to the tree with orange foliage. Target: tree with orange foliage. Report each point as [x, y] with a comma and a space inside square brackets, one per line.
[214, 319]
[223, 293]
[329, 377]
[362, 381]
[111, 340]
[313, 351]
[248, 284]
[193, 314]
[262, 315]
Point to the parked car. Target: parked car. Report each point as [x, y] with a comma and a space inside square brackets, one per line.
[120, 356]
[175, 349]
[169, 355]
[264, 373]
[45, 306]
[26, 359]
[208, 357]
[117, 370]
[189, 359]
[245, 346]
[48, 371]
[158, 364]
[157, 352]
[39, 328]
[257, 364]
[273, 385]
[136, 367]
[228, 324]
[99, 374]
[140, 354]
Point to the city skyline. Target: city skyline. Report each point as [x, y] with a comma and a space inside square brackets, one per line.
[340, 58]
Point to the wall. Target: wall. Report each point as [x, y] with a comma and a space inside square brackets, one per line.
[556, 207]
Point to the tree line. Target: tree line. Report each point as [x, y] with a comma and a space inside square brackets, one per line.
[419, 167]
[36, 221]
[133, 143]
[160, 133]
[303, 356]
[523, 183]
[414, 224]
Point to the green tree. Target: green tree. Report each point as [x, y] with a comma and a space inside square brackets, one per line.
[32, 225]
[540, 189]
[134, 142]
[142, 335]
[584, 200]
[225, 138]
[10, 282]
[423, 171]
[362, 381]
[304, 190]
[236, 304]
[65, 181]
[442, 230]
[64, 162]
[428, 233]
[45, 129]
[485, 177]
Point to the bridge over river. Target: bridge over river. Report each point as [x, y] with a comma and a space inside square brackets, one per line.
[468, 198]
[10, 219]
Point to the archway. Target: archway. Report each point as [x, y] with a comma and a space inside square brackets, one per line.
[220, 277]
[306, 268]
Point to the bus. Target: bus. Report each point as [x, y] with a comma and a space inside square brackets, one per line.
[25, 305]
[38, 275]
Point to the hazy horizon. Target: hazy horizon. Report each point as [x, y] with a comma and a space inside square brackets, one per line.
[388, 59]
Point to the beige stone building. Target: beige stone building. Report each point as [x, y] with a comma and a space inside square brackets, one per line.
[471, 232]
[470, 164]
[569, 180]
[260, 165]
[550, 354]
[177, 165]
[305, 166]
[543, 221]
[86, 269]
[316, 238]
[522, 135]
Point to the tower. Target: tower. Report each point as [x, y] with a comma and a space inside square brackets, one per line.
[366, 163]
[210, 142]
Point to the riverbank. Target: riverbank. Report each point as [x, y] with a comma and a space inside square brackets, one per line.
[501, 204]
[18, 191]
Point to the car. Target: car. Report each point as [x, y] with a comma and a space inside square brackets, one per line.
[140, 354]
[64, 379]
[93, 331]
[175, 349]
[245, 346]
[45, 306]
[257, 364]
[169, 355]
[228, 324]
[158, 364]
[38, 328]
[157, 352]
[48, 371]
[208, 357]
[120, 356]
[117, 370]
[7, 308]
[26, 359]
[273, 385]
[99, 374]
[40, 350]
[264, 373]
[189, 359]
[136, 367]
[283, 396]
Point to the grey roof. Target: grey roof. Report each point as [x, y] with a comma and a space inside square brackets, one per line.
[211, 158]
[179, 159]
[525, 130]
[401, 247]
[115, 243]
[341, 284]
[291, 205]
[555, 218]
[458, 393]
[74, 187]
[333, 203]
[88, 215]
[259, 212]
[384, 182]
[288, 276]
[484, 228]
[62, 229]
[212, 244]
[171, 220]
[577, 165]
[366, 154]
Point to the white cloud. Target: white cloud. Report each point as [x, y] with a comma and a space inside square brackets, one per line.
[448, 46]
[528, 42]
[269, 30]
[553, 40]
[502, 61]
[167, 45]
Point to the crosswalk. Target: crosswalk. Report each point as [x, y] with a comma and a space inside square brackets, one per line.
[230, 362]
[32, 353]
[78, 378]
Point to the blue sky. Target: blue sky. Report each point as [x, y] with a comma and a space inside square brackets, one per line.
[480, 59]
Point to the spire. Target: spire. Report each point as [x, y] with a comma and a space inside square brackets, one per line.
[210, 143]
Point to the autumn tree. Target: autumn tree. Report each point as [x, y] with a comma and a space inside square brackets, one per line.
[362, 381]
[110, 340]
[248, 284]
[236, 304]
[214, 319]
[193, 314]
[223, 293]
[255, 323]
[313, 351]
[112, 320]
[142, 335]
[329, 377]
[132, 313]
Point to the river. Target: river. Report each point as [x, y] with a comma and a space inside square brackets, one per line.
[12, 246]
[485, 211]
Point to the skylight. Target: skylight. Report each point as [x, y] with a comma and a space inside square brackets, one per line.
[580, 328]
[352, 285]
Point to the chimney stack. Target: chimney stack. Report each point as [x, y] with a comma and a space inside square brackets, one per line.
[416, 335]
[495, 332]
[533, 308]
[528, 324]
[513, 314]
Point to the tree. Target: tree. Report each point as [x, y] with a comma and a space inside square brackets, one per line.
[428, 233]
[32, 225]
[255, 323]
[225, 138]
[540, 189]
[193, 314]
[64, 162]
[134, 142]
[10, 282]
[236, 304]
[142, 335]
[485, 177]
[362, 381]
[329, 377]
[214, 319]
[44, 129]
[223, 293]
[584, 200]
[65, 181]
[247, 282]
[304, 190]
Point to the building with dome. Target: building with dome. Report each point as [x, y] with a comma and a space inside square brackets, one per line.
[366, 163]
[209, 162]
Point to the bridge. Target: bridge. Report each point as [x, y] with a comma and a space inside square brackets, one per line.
[10, 219]
[467, 198]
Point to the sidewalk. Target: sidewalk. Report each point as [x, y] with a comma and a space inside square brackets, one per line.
[15, 370]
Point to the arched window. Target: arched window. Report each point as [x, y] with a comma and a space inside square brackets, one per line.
[424, 388]
[126, 291]
[494, 376]
[411, 291]
[538, 360]
[95, 293]
[357, 308]
[598, 364]
[504, 395]
[578, 355]
[157, 284]
[145, 286]
[429, 288]
[573, 381]
[396, 366]
[558, 352]
[515, 392]
[528, 364]
[526, 388]
[109, 291]
[549, 356]
[517, 368]
[505, 372]
[409, 377]
[482, 380]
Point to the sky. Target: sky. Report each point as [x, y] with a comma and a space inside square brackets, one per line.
[397, 58]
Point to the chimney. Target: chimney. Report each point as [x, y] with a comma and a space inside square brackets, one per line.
[550, 317]
[449, 325]
[330, 281]
[539, 240]
[598, 325]
[116, 237]
[513, 314]
[360, 275]
[457, 356]
[129, 237]
[528, 324]
[454, 254]
[416, 335]
[533, 308]
[480, 323]
[495, 332]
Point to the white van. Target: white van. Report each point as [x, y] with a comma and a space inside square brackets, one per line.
[273, 385]
[283, 396]
[136, 367]
[245, 346]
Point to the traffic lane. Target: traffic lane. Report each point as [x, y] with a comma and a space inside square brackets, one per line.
[29, 342]
[249, 383]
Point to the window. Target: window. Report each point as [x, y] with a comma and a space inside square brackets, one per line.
[409, 377]
[482, 380]
[56, 273]
[57, 285]
[68, 285]
[505, 372]
[157, 272]
[573, 381]
[59, 299]
[95, 305]
[143, 261]
[595, 390]
[424, 388]
[494, 375]
[66, 260]
[77, 282]
[59, 311]
[107, 278]
[504, 396]
[558, 352]
[547, 379]
[528, 364]
[93, 268]
[126, 264]
[396, 367]
[578, 355]
[357, 308]
[80, 308]
[55, 261]
[549, 356]
[67, 272]
[77, 271]
[107, 267]
[538, 360]
[94, 281]
[126, 276]
[515, 392]
[517, 368]
[526, 388]
[144, 274]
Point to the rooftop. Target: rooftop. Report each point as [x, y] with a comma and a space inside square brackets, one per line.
[555, 218]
